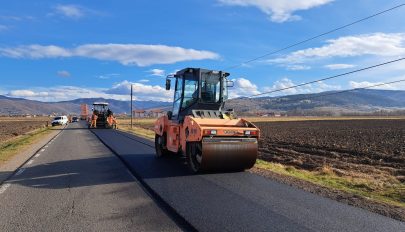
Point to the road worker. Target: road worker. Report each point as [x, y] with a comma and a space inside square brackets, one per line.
[112, 122]
[94, 119]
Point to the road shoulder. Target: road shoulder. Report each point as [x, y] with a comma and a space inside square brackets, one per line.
[8, 167]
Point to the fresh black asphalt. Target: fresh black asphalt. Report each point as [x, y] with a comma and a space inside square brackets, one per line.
[238, 201]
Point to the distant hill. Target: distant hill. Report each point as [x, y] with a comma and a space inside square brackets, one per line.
[120, 106]
[363, 101]
[331, 102]
[24, 106]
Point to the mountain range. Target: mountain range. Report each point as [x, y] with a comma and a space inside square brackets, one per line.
[19, 106]
[363, 101]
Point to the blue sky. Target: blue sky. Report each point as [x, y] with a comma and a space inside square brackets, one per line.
[61, 50]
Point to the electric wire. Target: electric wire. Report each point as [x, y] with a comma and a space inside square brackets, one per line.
[326, 78]
[339, 92]
[315, 37]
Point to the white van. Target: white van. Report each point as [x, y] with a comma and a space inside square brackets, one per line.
[60, 120]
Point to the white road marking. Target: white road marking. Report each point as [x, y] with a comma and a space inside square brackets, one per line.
[20, 171]
[46, 146]
[42, 149]
[4, 187]
[30, 162]
[37, 155]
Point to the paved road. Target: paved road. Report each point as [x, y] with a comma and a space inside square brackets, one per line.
[238, 201]
[77, 184]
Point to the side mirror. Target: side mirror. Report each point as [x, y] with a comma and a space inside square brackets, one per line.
[168, 82]
[229, 83]
[169, 114]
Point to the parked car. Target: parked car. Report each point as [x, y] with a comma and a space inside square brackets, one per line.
[60, 120]
[75, 119]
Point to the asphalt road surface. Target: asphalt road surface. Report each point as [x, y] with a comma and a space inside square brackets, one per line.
[78, 184]
[238, 201]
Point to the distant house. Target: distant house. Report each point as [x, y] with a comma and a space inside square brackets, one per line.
[156, 113]
[139, 113]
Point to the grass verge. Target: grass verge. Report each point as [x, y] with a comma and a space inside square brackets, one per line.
[11, 147]
[139, 131]
[392, 193]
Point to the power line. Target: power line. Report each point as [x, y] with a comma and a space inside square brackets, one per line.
[331, 77]
[314, 37]
[343, 91]
[323, 79]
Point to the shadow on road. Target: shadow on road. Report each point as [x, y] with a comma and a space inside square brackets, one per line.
[73, 173]
[147, 166]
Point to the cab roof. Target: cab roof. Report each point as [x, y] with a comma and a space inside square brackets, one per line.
[100, 103]
[185, 70]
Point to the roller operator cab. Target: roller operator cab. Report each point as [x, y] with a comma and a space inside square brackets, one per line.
[211, 138]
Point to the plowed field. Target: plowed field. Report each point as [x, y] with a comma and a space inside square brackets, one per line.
[374, 148]
[13, 128]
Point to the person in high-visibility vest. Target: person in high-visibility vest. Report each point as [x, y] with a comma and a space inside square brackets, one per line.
[94, 120]
[112, 122]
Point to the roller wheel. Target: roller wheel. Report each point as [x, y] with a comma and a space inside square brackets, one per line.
[160, 146]
[194, 156]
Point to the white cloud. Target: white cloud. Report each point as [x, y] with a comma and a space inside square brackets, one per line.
[377, 44]
[108, 76]
[242, 88]
[278, 10]
[119, 91]
[245, 88]
[60, 93]
[70, 11]
[298, 67]
[339, 66]
[157, 72]
[63, 73]
[126, 54]
[22, 93]
[3, 28]
[143, 80]
[287, 83]
[364, 84]
[141, 91]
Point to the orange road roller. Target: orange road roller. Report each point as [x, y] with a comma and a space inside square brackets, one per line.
[212, 139]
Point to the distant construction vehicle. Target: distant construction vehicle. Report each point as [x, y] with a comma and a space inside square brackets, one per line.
[211, 138]
[84, 112]
[103, 115]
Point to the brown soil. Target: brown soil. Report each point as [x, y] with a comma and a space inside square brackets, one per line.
[10, 129]
[368, 149]
[372, 147]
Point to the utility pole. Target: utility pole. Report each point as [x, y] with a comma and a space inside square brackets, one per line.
[131, 106]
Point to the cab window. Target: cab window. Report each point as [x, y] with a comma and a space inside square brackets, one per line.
[210, 88]
[190, 91]
[177, 97]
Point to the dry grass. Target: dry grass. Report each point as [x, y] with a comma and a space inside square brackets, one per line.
[11, 147]
[137, 121]
[141, 126]
[145, 133]
[391, 192]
